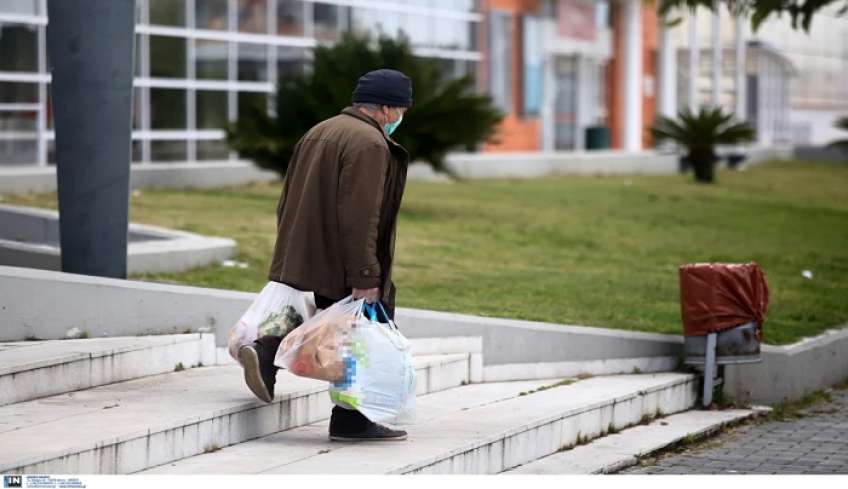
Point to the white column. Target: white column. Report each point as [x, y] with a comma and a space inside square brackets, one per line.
[548, 101]
[191, 93]
[716, 41]
[633, 75]
[41, 121]
[143, 51]
[667, 72]
[232, 67]
[694, 59]
[580, 93]
[741, 77]
[273, 76]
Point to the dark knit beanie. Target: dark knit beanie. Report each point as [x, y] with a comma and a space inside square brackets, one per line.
[384, 87]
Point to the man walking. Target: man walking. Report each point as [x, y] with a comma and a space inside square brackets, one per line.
[336, 222]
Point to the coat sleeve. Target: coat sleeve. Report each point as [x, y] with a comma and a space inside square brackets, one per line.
[360, 197]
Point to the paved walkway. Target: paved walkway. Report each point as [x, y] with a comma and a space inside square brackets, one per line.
[814, 444]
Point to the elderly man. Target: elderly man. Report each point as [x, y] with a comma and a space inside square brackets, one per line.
[336, 222]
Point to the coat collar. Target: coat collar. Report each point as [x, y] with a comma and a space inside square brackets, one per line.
[357, 114]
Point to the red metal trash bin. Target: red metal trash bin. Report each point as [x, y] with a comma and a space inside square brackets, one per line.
[723, 307]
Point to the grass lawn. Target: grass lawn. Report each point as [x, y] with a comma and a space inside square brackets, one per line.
[598, 251]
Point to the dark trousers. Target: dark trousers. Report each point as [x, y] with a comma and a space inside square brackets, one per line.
[342, 421]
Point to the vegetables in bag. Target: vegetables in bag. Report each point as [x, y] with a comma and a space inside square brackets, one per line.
[315, 349]
[277, 310]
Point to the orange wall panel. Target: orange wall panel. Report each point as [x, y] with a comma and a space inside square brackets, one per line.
[650, 39]
[516, 134]
[615, 74]
[615, 79]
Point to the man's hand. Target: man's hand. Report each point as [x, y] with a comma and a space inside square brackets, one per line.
[370, 295]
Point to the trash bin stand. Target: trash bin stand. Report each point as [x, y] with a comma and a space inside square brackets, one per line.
[709, 369]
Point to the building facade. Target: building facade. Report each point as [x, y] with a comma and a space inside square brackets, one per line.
[568, 74]
[199, 63]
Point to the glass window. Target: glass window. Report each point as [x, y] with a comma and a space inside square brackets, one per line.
[168, 151]
[211, 109]
[211, 14]
[18, 47]
[14, 152]
[418, 29]
[49, 107]
[454, 34]
[565, 103]
[292, 60]
[211, 59]
[253, 16]
[252, 62]
[213, 150]
[136, 108]
[460, 5]
[533, 58]
[167, 12]
[136, 151]
[290, 18]
[250, 101]
[18, 93]
[327, 22]
[167, 57]
[370, 21]
[139, 38]
[18, 121]
[500, 61]
[167, 108]
[21, 7]
[51, 153]
[602, 14]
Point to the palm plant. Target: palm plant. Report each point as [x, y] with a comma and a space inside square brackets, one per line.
[841, 123]
[447, 113]
[699, 133]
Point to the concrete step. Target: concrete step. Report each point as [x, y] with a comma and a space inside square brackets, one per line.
[483, 428]
[270, 452]
[34, 369]
[129, 426]
[618, 451]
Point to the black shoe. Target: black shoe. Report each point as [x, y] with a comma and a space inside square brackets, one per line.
[260, 373]
[374, 432]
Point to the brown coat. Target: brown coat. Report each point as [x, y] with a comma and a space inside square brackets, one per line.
[337, 214]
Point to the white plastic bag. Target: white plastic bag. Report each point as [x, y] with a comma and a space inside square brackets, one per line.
[379, 378]
[367, 362]
[276, 310]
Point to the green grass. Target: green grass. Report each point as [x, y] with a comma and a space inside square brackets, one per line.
[598, 251]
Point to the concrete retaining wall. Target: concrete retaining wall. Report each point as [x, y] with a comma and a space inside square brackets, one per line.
[21, 180]
[822, 153]
[44, 304]
[110, 307]
[538, 164]
[17, 180]
[29, 237]
[790, 372]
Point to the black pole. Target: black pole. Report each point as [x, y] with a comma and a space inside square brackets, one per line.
[90, 43]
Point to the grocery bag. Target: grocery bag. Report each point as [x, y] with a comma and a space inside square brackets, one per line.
[379, 379]
[360, 351]
[316, 348]
[277, 310]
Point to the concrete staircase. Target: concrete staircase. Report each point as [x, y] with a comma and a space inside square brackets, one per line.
[172, 404]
